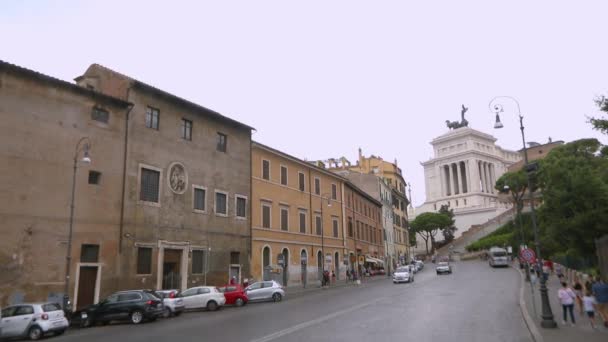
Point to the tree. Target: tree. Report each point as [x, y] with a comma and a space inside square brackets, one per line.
[601, 124]
[448, 231]
[427, 225]
[574, 182]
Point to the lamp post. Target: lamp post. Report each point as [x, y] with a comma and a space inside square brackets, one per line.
[496, 107]
[83, 145]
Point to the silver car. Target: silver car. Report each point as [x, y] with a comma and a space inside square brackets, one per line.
[443, 267]
[265, 290]
[172, 302]
[403, 274]
[33, 320]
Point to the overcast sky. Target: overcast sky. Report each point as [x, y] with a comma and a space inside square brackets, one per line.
[319, 79]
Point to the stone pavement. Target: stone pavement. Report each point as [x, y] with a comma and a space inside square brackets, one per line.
[313, 286]
[581, 331]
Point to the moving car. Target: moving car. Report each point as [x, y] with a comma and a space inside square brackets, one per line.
[173, 304]
[419, 265]
[498, 257]
[32, 320]
[265, 290]
[134, 306]
[203, 297]
[443, 267]
[235, 295]
[403, 274]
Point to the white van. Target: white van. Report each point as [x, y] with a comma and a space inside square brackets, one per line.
[498, 257]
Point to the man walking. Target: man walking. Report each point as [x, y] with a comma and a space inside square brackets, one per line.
[600, 291]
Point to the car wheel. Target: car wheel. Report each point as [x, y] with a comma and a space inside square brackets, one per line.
[211, 306]
[137, 317]
[438, 273]
[277, 297]
[35, 333]
[60, 332]
[177, 313]
[239, 302]
[167, 313]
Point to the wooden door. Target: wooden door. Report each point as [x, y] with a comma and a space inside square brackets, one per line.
[86, 286]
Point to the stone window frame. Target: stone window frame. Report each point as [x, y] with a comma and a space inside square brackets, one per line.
[317, 191]
[205, 256]
[300, 213]
[269, 206]
[269, 169]
[204, 188]
[150, 111]
[236, 206]
[227, 194]
[160, 184]
[283, 208]
[286, 175]
[302, 185]
[186, 128]
[335, 225]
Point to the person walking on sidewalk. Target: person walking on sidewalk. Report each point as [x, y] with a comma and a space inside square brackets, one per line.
[589, 303]
[600, 291]
[578, 291]
[566, 298]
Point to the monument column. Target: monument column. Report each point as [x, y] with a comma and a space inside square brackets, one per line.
[455, 178]
[474, 172]
[460, 176]
[487, 177]
[484, 185]
[441, 180]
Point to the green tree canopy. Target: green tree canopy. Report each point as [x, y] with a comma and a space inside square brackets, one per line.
[514, 183]
[427, 225]
[601, 124]
[448, 231]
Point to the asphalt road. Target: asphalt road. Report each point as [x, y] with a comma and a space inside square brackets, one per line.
[475, 303]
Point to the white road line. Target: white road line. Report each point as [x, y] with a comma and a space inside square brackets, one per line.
[301, 326]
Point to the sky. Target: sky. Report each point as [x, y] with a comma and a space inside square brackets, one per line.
[319, 79]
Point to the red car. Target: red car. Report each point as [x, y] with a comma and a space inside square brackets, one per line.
[235, 295]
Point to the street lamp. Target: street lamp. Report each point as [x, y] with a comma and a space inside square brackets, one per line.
[496, 107]
[83, 145]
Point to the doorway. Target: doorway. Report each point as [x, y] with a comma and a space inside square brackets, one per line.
[303, 271]
[337, 265]
[172, 269]
[320, 264]
[87, 281]
[285, 266]
[235, 271]
[265, 263]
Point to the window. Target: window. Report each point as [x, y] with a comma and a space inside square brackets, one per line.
[283, 175]
[100, 115]
[317, 186]
[235, 258]
[186, 129]
[124, 297]
[334, 191]
[152, 118]
[266, 169]
[144, 260]
[358, 230]
[302, 222]
[222, 142]
[51, 307]
[318, 225]
[198, 261]
[241, 206]
[200, 195]
[265, 216]
[149, 187]
[221, 203]
[24, 310]
[284, 219]
[94, 177]
[335, 228]
[301, 183]
[350, 227]
[89, 253]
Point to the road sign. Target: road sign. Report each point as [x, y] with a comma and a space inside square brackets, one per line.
[528, 255]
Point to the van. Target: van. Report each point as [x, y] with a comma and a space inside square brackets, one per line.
[498, 257]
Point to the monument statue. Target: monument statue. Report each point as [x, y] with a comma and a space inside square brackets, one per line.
[463, 122]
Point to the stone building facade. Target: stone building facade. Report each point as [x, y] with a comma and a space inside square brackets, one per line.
[163, 204]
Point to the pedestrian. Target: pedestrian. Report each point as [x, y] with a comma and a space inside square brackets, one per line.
[578, 291]
[546, 270]
[600, 291]
[566, 297]
[233, 280]
[559, 272]
[347, 275]
[589, 303]
[333, 277]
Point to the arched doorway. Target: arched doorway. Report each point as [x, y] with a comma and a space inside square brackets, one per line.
[337, 265]
[320, 264]
[285, 266]
[265, 262]
[303, 271]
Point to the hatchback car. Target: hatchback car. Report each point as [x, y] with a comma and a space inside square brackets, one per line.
[32, 320]
[203, 297]
[443, 267]
[403, 274]
[173, 304]
[134, 306]
[265, 290]
[235, 295]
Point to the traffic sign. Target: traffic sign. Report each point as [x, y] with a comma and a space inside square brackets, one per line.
[528, 255]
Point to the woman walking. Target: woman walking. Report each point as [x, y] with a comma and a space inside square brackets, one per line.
[578, 291]
[566, 298]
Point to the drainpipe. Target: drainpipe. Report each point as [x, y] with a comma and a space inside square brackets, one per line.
[124, 176]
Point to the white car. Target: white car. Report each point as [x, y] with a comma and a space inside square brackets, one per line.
[32, 320]
[443, 267]
[403, 274]
[208, 297]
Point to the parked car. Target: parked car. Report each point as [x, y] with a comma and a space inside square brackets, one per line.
[403, 274]
[32, 320]
[443, 267]
[265, 290]
[134, 306]
[173, 304]
[420, 265]
[207, 297]
[234, 294]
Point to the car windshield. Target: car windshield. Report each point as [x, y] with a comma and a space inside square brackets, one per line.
[442, 264]
[499, 254]
[402, 269]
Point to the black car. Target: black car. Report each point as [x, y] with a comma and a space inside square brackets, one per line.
[133, 306]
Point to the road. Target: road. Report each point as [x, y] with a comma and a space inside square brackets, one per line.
[475, 303]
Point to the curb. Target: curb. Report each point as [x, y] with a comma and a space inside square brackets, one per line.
[536, 336]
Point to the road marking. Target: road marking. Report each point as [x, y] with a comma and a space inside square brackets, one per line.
[301, 326]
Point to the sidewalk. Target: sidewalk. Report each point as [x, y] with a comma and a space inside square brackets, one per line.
[582, 331]
[313, 286]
